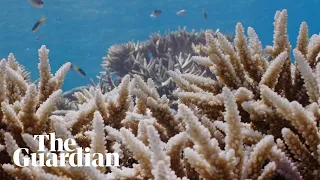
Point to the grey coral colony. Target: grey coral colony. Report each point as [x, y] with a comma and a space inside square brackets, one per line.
[256, 117]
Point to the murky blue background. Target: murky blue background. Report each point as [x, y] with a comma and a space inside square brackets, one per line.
[81, 31]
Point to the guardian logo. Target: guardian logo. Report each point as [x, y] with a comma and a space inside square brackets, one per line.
[65, 153]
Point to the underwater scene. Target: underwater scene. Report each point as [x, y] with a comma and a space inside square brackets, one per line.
[159, 90]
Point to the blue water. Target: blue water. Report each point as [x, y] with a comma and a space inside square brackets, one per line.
[81, 31]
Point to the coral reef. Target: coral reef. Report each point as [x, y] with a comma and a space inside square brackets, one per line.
[25, 106]
[155, 57]
[259, 119]
[131, 57]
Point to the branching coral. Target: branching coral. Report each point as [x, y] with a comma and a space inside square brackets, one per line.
[26, 107]
[153, 58]
[246, 124]
[125, 58]
[273, 106]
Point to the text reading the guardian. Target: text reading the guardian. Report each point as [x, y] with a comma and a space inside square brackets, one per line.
[62, 153]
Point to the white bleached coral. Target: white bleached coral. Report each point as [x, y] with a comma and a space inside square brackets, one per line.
[246, 124]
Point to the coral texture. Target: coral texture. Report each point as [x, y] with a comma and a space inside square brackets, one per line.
[155, 57]
[259, 119]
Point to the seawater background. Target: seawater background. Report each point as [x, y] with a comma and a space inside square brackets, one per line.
[81, 31]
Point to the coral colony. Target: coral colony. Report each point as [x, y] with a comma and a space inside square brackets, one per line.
[255, 117]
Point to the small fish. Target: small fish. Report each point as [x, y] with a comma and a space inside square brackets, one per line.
[37, 24]
[131, 52]
[80, 71]
[36, 3]
[218, 30]
[181, 12]
[155, 13]
[204, 14]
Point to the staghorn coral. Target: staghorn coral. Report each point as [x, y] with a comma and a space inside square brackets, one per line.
[72, 98]
[26, 107]
[273, 108]
[153, 58]
[122, 58]
[246, 124]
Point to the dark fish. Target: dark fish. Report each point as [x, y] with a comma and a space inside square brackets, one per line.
[204, 14]
[155, 13]
[79, 70]
[37, 24]
[36, 3]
